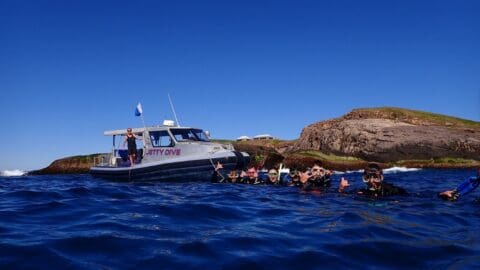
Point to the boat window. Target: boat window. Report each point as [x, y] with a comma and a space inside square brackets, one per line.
[201, 135]
[188, 135]
[161, 139]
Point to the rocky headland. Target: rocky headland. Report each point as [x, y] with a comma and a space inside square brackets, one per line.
[70, 165]
[389, 136]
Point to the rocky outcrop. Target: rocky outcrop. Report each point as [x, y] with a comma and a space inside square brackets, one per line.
[390, 134]
[71, 165]
[262, 153]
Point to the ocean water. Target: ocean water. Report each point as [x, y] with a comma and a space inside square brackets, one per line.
[78, 222]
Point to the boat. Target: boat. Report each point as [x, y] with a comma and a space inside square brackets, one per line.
[169, 153]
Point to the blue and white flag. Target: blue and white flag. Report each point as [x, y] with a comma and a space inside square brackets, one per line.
[138, 110]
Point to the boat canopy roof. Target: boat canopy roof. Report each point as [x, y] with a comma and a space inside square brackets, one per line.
[139, 130]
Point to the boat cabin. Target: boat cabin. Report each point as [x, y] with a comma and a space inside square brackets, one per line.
[157, 143]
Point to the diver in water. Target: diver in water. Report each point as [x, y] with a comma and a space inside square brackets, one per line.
[316, 179]
[464, 188]
[217, 176]
[233, 177]
[251, 177]
[376, 187]
[295, 179]
[272, 178]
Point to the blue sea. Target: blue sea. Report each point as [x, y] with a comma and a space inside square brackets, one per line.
[79, 222]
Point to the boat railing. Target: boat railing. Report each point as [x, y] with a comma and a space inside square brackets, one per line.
[102, 160]
[118, 158]
[228, 146]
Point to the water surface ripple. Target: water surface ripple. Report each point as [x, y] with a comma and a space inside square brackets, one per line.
[78, 222]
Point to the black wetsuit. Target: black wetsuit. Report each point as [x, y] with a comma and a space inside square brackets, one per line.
[317, 183]
[230, 180]
[386, 189]
[132, 145]
[295, 183]
[217, 178]
[268, 182]
[252, 181]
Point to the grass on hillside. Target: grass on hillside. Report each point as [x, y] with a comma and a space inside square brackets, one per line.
[222, 141]
[432, 117]
[82, 158]
[437, 161]
[328, 157]
[443, 160]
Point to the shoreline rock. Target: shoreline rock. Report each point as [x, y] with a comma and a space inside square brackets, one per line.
[70, 165]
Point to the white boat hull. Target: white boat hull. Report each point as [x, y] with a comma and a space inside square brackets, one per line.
[174, 170]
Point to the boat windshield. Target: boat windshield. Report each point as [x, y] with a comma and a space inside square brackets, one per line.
[201, 135]
[182, 135]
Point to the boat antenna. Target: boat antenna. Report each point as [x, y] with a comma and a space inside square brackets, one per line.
[173, 110]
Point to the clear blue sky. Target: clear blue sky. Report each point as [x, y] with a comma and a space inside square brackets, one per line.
[71, 69]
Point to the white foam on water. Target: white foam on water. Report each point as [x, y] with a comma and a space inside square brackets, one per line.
[9, 173]
[357, 171]
[347, 172]
[400, 169]
[385, 171]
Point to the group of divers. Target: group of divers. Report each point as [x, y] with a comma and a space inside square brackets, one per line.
[317, 178]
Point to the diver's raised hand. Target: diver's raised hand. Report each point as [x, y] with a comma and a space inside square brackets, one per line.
[447, 194]
[218, 166]
[343, 184]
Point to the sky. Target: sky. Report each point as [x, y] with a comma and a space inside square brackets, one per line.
[70, 70]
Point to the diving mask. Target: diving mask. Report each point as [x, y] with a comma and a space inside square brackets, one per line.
[372, 177]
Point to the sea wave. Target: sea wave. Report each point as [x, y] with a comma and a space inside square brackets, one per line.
[386, 171]
[12, 173]
[347, 172]
[400, 169]
[356, 171]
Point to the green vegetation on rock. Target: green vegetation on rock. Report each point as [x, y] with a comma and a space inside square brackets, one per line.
[444, 161]
[222, 141]
[438, 119]
[328, 157]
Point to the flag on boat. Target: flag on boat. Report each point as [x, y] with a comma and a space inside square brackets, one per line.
[138, 110]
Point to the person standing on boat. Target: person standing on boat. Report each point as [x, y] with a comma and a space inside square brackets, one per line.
[130, 140]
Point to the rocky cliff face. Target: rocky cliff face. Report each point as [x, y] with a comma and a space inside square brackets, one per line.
[389, 134]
